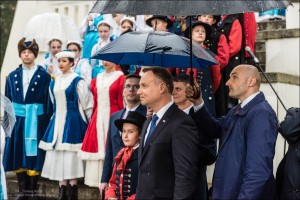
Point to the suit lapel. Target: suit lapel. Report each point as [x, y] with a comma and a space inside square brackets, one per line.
[143, 134]
[158, 129]
[116, 131]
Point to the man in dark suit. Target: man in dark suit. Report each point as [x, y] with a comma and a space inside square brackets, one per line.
[207, 146]
[244, 166]
[168, 153]
[114, 140]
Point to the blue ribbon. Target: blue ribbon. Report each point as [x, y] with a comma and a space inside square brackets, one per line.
[30, 112]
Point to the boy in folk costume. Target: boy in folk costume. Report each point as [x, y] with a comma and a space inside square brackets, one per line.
[124, 179]
[27, 88]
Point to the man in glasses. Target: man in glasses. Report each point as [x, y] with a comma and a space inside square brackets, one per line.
[114, 140]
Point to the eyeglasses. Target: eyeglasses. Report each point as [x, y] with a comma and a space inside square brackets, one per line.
[135, 87]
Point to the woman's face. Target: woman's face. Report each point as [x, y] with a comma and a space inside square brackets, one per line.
[130, 135]
[64, 65]
[55, 47]
[103, 32]
[75, 49]
[108, 65]
[125, 26]
[198, 34]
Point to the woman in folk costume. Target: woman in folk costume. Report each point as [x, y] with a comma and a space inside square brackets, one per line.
[6, 127]
[81, 65]
[104, 30]
[50, 63]
[107, 90]
[64, 135]
[27, 87]
[89, 33]
[124, 179]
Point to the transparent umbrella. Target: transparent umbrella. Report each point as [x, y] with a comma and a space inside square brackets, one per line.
[47, 26]
[9, 115]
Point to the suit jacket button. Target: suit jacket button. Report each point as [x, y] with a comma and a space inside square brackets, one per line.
[148, 174]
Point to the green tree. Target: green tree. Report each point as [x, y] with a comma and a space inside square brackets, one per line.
[7, 12]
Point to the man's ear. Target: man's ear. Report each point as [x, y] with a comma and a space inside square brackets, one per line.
[252, 81]
[163, 87]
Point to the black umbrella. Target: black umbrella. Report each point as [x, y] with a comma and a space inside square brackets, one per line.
[154, 48]
[185, 7]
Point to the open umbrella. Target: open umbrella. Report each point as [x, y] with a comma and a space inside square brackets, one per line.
[9, 115]
[47, 26]
[186, 7]
[154, 48]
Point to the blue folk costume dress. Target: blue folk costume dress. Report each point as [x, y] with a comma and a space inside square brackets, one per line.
[33, 111]
[91, 37]
[66, 130]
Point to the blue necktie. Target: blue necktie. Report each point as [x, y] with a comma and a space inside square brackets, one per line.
[152, 127]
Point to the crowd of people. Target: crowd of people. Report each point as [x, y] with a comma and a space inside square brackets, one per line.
[140, 132]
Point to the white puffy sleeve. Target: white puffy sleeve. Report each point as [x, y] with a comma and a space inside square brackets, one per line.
[85, 100]
[86, 71]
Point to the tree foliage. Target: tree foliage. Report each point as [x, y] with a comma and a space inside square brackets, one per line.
[7, 11]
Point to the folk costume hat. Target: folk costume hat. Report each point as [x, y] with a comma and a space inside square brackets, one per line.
[31, 45]
[105, 22]
[161, 17]
[132, 118]
[129, 19]
[206, 26]
[78, 42]
[65, 54]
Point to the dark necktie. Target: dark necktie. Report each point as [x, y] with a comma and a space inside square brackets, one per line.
[152, 126]
[238, 108]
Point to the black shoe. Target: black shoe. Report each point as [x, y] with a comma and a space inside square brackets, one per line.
[73, 192]
[22, 182]
[32, 190]
[62, 193]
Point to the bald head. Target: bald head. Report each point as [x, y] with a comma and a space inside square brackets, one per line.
[251, 72]
[244, 81]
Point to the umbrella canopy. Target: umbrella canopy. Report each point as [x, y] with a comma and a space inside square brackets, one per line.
[9, 115]
[186, 7]
[154, 48]
[47, 26]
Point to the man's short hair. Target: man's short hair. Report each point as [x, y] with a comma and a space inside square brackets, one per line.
[182, 78]
[133, 76]
[163, 74]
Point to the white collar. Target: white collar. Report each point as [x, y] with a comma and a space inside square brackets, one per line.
[33, 68]
[248, 99]
[162, 111]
